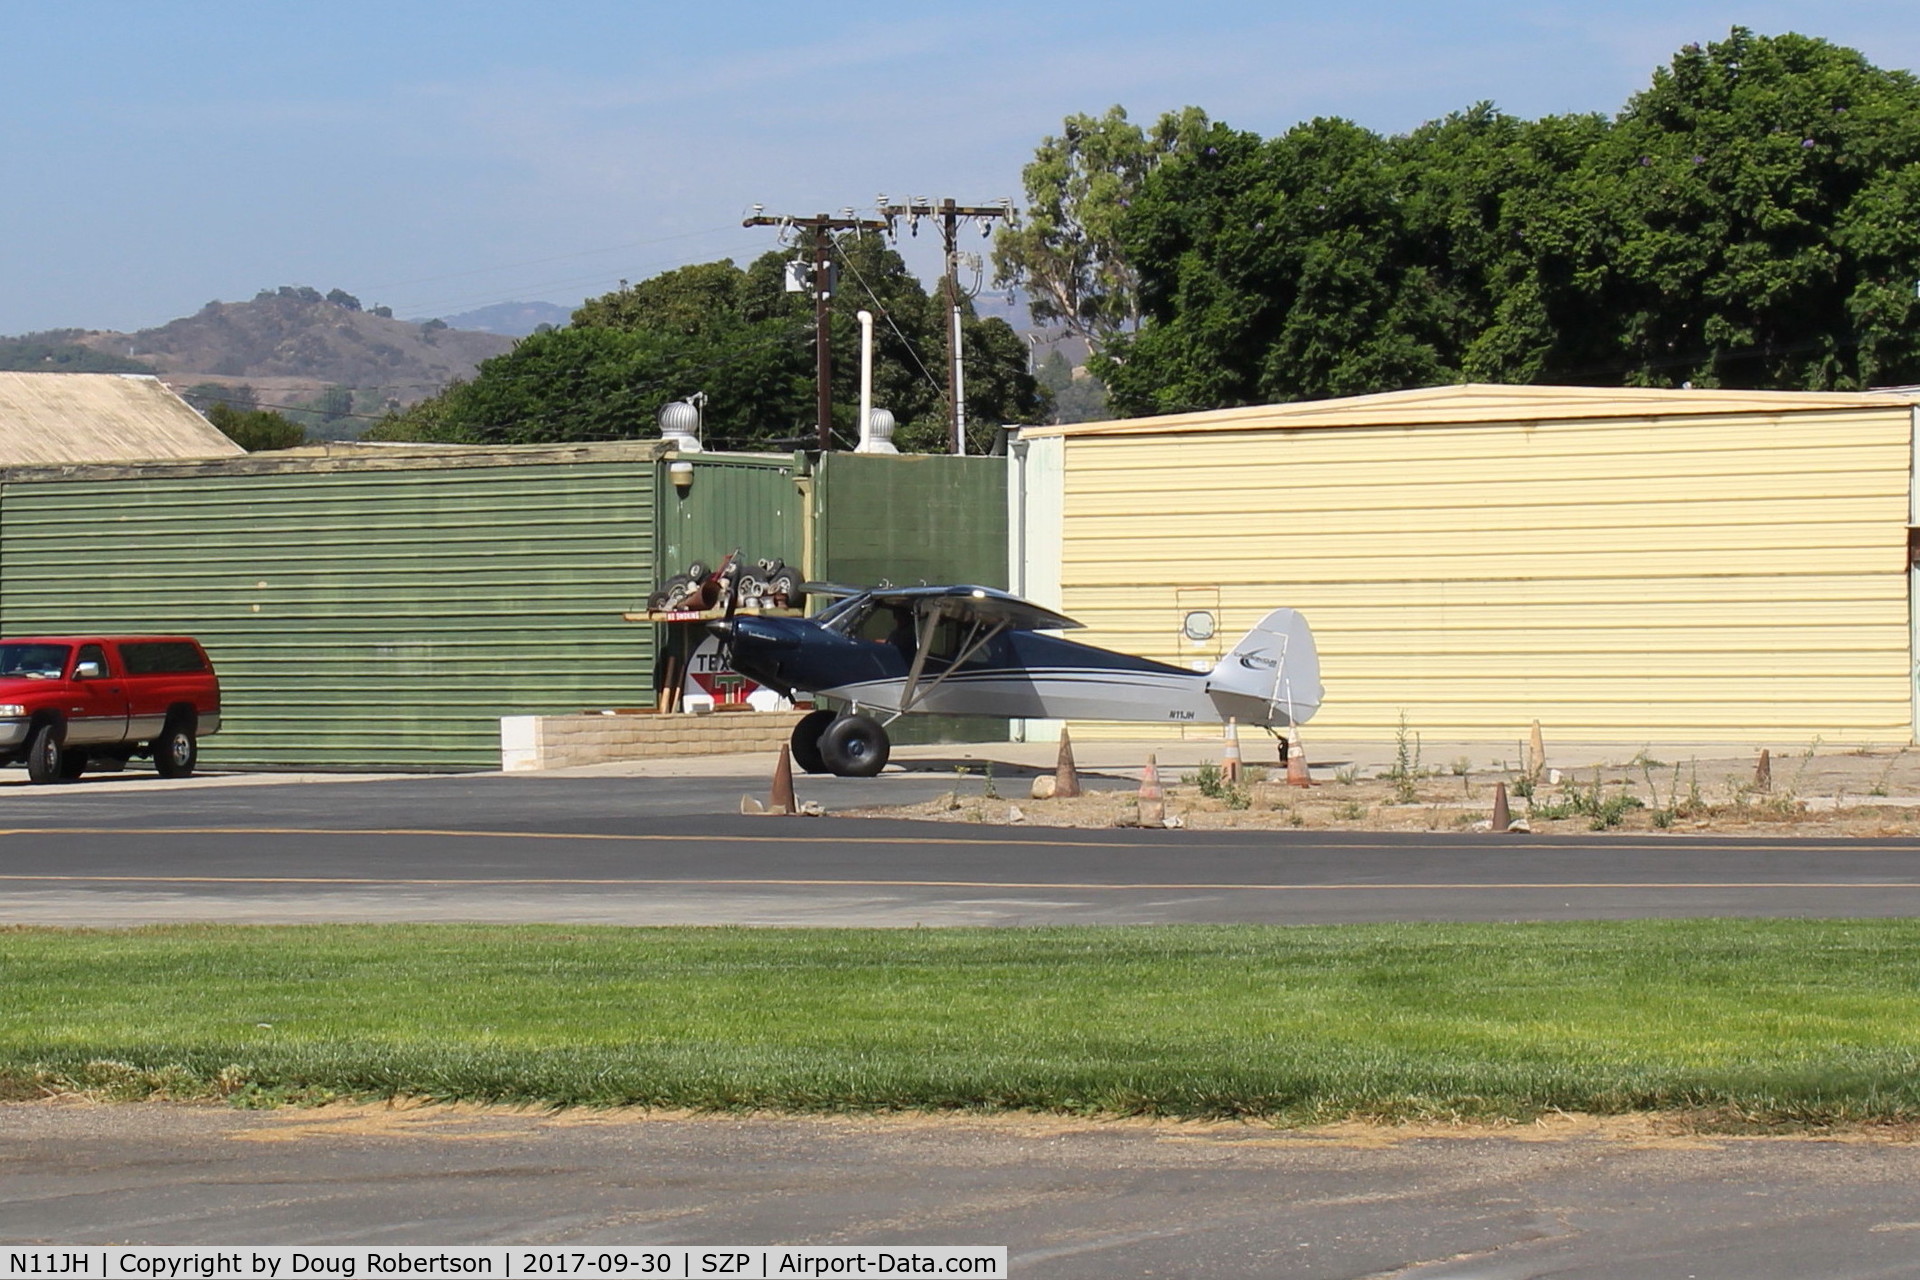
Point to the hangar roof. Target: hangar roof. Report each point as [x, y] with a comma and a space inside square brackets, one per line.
[1486, 402]
[54, 418]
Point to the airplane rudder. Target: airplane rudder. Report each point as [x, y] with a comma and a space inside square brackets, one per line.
[1279, 647]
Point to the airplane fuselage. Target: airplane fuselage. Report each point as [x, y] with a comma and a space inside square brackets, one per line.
[1016, 674]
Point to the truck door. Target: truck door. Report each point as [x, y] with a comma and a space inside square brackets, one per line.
[97, 704]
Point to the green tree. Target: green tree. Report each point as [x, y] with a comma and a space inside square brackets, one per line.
[1071, 398]
[205, 395]
[697, 300]
[1276, 270]
[1752, 219]
[1066, 252]
[741, 338]
[1478, 194]
[571, 384]
[1756, 210]
[328, 416]
[255, 430]
[60, 351]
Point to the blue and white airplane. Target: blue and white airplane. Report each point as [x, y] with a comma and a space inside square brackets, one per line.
[975, 651]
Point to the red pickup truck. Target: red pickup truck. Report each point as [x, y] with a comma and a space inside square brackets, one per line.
[69, 703]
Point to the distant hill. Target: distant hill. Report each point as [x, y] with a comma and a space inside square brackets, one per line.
[514, 319]
[60, 351]
[293, 342]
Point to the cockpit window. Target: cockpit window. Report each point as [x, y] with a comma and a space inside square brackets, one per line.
[889, 626]
[864, 618]
[953, 636]
[844, 615]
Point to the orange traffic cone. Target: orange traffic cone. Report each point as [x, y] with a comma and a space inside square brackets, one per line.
[781, 800]
[1502, 816]
[1153, 801]
[1066, 778]
[1297, 775]
[1230, 758]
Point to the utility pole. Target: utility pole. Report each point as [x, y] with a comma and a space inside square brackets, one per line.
[821, 224]
[949, 214]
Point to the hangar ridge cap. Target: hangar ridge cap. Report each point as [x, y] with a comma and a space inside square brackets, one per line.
[1487, 402]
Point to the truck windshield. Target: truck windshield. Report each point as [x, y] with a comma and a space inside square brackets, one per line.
[33, 661]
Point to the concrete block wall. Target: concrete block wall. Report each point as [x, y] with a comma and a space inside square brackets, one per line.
[530, 743]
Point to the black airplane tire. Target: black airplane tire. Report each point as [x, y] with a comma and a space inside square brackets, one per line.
[805, 743]
[855, 747]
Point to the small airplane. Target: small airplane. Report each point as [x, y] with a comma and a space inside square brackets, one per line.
[967, 650]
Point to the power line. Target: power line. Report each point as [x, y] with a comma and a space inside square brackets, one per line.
[887, 314]
[948, 215]
[820, 224]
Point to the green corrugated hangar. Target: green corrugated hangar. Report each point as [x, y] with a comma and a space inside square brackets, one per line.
[384, 607]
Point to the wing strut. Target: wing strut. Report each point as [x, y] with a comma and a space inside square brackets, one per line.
[978, 637]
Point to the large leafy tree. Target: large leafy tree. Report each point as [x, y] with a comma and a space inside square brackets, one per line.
[1268, 275]
[1758, 215]
[1066, 251]
[738, 336]
[1478, 195]
[256, 430]
[1751, 219]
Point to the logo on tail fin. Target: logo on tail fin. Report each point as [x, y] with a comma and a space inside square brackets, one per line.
[1272, 676]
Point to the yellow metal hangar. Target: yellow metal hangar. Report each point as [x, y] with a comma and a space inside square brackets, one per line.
[1624, 565]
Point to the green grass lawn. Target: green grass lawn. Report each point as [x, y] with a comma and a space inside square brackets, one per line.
[1770, 1021]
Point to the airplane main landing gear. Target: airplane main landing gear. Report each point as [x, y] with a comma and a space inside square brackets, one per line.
[805, 742]
[855, 746]
[849, 745]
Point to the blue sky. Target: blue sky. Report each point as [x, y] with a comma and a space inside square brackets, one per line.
[439, 157]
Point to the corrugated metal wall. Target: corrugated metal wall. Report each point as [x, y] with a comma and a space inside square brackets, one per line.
[374, 613]
[912, 518]
[909, 518]
[736, 502]
[1737, 577]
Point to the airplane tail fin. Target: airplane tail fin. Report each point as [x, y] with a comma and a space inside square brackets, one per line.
[1272, 677]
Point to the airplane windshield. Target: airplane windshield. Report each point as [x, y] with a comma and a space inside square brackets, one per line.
[844, 616]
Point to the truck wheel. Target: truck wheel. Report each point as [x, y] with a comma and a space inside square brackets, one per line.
[855, 747]
[44, 754]
[806, 739]
[175, 751]
[72, 765]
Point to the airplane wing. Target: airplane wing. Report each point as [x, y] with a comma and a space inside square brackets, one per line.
[983, 605]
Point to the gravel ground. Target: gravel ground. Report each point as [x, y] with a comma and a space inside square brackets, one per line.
[1864, 792]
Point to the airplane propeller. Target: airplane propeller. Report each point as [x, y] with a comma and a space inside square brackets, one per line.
[723, 626]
